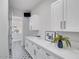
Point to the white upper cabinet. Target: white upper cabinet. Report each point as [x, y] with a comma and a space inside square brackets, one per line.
[56, 16]
[34, 22]
[65, 15]
[72, 15]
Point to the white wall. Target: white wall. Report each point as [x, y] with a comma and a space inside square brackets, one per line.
[3, 29]
[44, 13]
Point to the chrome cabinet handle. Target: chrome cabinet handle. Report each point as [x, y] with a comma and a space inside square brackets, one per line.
[10, 51]
[60, 24]
[47, 54]
[38, 48]
[26, 44]
[64, 24]
[34, 52]
[32, 44]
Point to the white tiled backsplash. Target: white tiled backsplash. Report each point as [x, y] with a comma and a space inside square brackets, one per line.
[75, 44]
[74, 38]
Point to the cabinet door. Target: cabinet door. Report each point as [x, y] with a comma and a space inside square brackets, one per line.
[41, 54]
[50, 55]
[72, 22]
[56, 16]
[31, 48]
[35, 51]
[26, 44]
[34, 22]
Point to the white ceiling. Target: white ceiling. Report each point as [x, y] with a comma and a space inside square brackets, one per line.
[24, 5]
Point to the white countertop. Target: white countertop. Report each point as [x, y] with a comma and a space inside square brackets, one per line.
[64, 53]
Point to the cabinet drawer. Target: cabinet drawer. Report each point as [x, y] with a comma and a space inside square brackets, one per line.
[50, 55]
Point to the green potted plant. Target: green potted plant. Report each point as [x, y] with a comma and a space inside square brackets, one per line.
[61, 40]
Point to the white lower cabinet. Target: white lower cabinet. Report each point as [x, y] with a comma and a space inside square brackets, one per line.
[38, 52]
